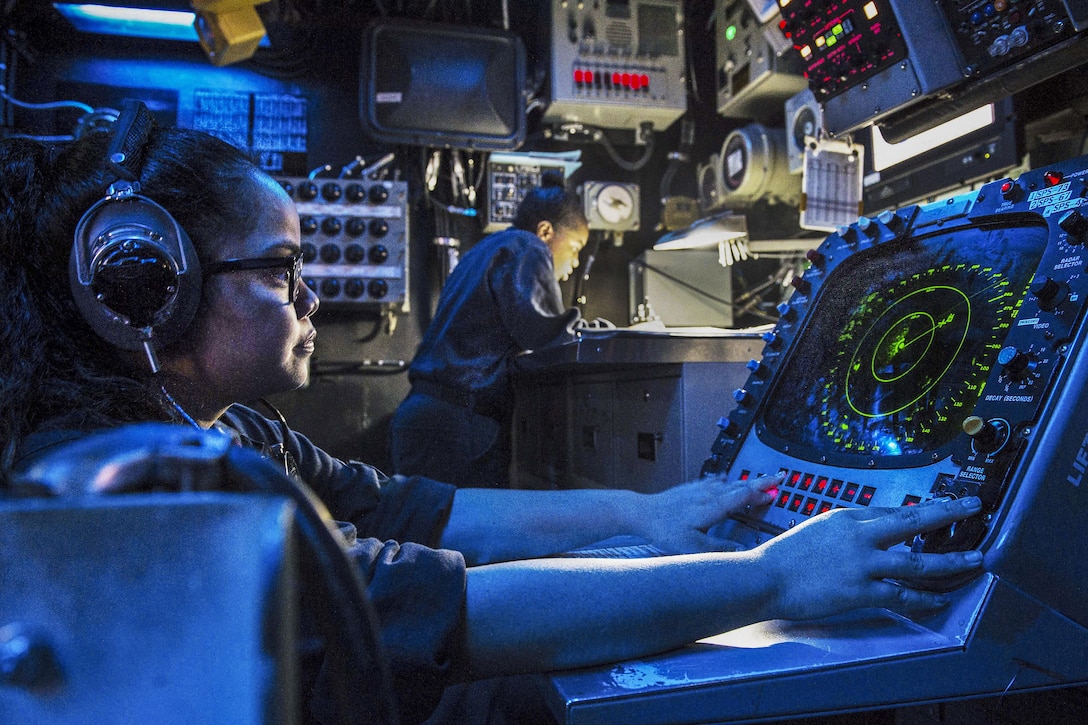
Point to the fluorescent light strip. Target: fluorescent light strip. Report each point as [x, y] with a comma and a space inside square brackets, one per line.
[133, 22]
[887, 154]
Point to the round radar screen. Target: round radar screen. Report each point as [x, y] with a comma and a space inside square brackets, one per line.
[900, 345]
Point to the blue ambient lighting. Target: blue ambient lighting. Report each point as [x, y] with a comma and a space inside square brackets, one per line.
[135, 22]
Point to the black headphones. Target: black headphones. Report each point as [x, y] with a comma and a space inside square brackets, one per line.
[134, 272]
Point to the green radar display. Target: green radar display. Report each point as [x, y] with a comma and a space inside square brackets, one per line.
[900, 346]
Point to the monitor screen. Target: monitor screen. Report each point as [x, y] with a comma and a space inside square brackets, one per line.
[901, 344]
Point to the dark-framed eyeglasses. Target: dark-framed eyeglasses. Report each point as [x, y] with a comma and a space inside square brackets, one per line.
[292, 264]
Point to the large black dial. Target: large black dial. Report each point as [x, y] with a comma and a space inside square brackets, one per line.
[900, 345]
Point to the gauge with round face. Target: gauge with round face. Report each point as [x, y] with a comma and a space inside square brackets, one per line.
[616, 204]
[900, 346]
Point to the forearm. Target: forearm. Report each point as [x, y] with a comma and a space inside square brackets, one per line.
[500, 525]
[564, 613]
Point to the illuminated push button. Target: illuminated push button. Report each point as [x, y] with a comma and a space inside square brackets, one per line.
[1010, 190]
[1053, 178]
[783, 499]
[810, 507]
[849, 490]
[1049, 292]
[834, 488]
[821, 485]
[866, 496]
[795, 502]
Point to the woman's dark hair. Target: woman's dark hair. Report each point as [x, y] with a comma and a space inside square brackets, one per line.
[54, 370]
[550, 202]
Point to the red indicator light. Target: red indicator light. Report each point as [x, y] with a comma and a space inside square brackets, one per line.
[825, 506]
[1053, 178]
[615, 79]
[636, 82]
[1006, 187]
[810, 507]
[645, 80]
[821, 484]
[744, 475]
[579, 76]
[625, 79]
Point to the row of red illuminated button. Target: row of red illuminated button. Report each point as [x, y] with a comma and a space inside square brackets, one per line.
[632, 81]
[832, 488]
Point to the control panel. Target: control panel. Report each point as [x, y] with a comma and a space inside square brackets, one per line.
[753, 78]
[923, 354]
[617, 63]
[992, 34]
[866, 58]
[507, 184]
[354, 239]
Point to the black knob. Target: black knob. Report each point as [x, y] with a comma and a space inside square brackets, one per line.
[309, 252]
[354, 288]
[331, 226]
[1075, 224]
[1016, 365]
[355, 192]
[378, 254]
[986, 436]
[307, 191]
[378, 288]
[1049, 292]
[330, 287]
[379, 227]
[308, 224]
[354, 253]
[287, 186]
[330, 253]
[356, 226]
[378, 194]
[331, 191]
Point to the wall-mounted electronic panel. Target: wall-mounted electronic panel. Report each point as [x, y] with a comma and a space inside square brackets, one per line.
[617, 63]
[753, 80]
[867, 58]
[354, 239]
[981, 145]
[508, 181]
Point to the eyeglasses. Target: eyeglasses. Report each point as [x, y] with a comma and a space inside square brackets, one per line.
[292, 265]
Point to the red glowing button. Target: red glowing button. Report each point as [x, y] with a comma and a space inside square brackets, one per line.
[1053, 178]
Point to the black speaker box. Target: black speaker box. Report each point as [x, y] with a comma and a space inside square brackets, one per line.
[442, 85]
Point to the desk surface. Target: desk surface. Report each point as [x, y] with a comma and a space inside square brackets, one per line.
[626, 346]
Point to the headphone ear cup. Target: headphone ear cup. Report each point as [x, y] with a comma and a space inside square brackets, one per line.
[134, 273]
